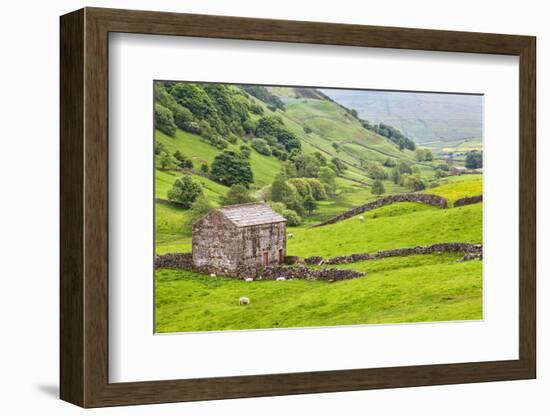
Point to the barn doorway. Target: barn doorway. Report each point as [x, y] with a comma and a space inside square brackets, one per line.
[265, 258]
[281, 256]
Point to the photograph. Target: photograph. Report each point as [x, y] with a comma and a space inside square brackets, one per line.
[308, 206]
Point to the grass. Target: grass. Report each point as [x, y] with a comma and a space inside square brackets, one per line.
[457, 190]
[425, 288]
[405, 289]
[385, 229]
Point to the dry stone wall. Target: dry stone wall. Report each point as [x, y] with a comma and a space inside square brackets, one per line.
[430, 199]
[471, 251]
[468, 200]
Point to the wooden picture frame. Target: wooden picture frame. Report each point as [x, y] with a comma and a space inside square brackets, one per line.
[84, 207]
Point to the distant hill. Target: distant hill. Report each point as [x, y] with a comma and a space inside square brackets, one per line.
[427, 118]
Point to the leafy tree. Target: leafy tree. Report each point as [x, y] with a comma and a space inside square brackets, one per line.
[182, 117]
[261, 146]
[263, 94]
[183, 161]
[376, 171]
[302, 186]
[160, 148]
[336, 146]
[292, 218]
[328, 179]
[245, 151]
[310, 204]
[415, 183]
[229, 168]
[390, 163]
[164, 120]
[185, 191]
[474, 160]
[378, 188]
[199, 209]
[237, 194]
[288, 140]
[353, 112]
[166, 161]
[280, 189]
[193, 97]
[395, 176]
[423, 155]
[405, 167]
[306, 165]
[205, 168]
[317, 189]
[307, 130]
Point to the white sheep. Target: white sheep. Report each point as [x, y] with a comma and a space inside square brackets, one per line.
[212, 274]
[281, 279]
[361, 218]
[243, 300]
[290, 235]
[249, 279]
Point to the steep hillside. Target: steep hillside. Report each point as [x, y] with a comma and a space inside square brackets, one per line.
[426, 118]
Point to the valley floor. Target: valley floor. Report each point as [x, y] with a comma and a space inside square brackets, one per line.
[423, 288]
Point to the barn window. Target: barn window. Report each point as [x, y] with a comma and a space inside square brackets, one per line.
[281, 255]
[265, 258]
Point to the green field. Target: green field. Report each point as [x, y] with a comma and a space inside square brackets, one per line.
[412, 289]
[422, 288]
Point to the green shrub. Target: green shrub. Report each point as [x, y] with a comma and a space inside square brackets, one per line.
[185, 191]
[164, 120]
[230, 167]
[237, 194]
[292, 218]
[261, 146]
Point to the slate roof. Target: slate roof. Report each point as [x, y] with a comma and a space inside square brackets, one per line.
[244, 215]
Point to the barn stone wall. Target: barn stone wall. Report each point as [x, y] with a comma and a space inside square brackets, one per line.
[215, 245]
[257, 240]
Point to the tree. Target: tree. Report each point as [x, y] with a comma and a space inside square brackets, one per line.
[185, 191]
[199, 209]
[183, 161]
[237, 194]
[280, 189]
[307, 130]
[229, 168]
[376, 171]
[310, 204]
[395, 175]
[415, 183]
[164, 120]
[292, 218]
[378, 188]
[205, 168]
[245, 151]
[474, 160]
[260, 145]
[166, 161]
[328, 179]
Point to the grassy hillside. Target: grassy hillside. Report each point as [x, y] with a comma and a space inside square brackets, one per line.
[424, 117]
[413, 289]
[306, 127]
[392, 226]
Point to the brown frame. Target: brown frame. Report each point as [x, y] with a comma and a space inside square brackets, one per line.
[84, 207]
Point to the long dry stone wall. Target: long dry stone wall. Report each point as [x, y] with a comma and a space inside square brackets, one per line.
[302, 272]
[468, 200]
[471, 252]
[430, 199]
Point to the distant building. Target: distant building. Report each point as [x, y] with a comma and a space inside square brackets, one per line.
[458, 170]
[238, 240]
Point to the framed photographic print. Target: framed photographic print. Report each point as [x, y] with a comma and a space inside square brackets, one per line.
[261, 207]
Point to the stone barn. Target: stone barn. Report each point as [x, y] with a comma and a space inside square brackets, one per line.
[239, 240]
